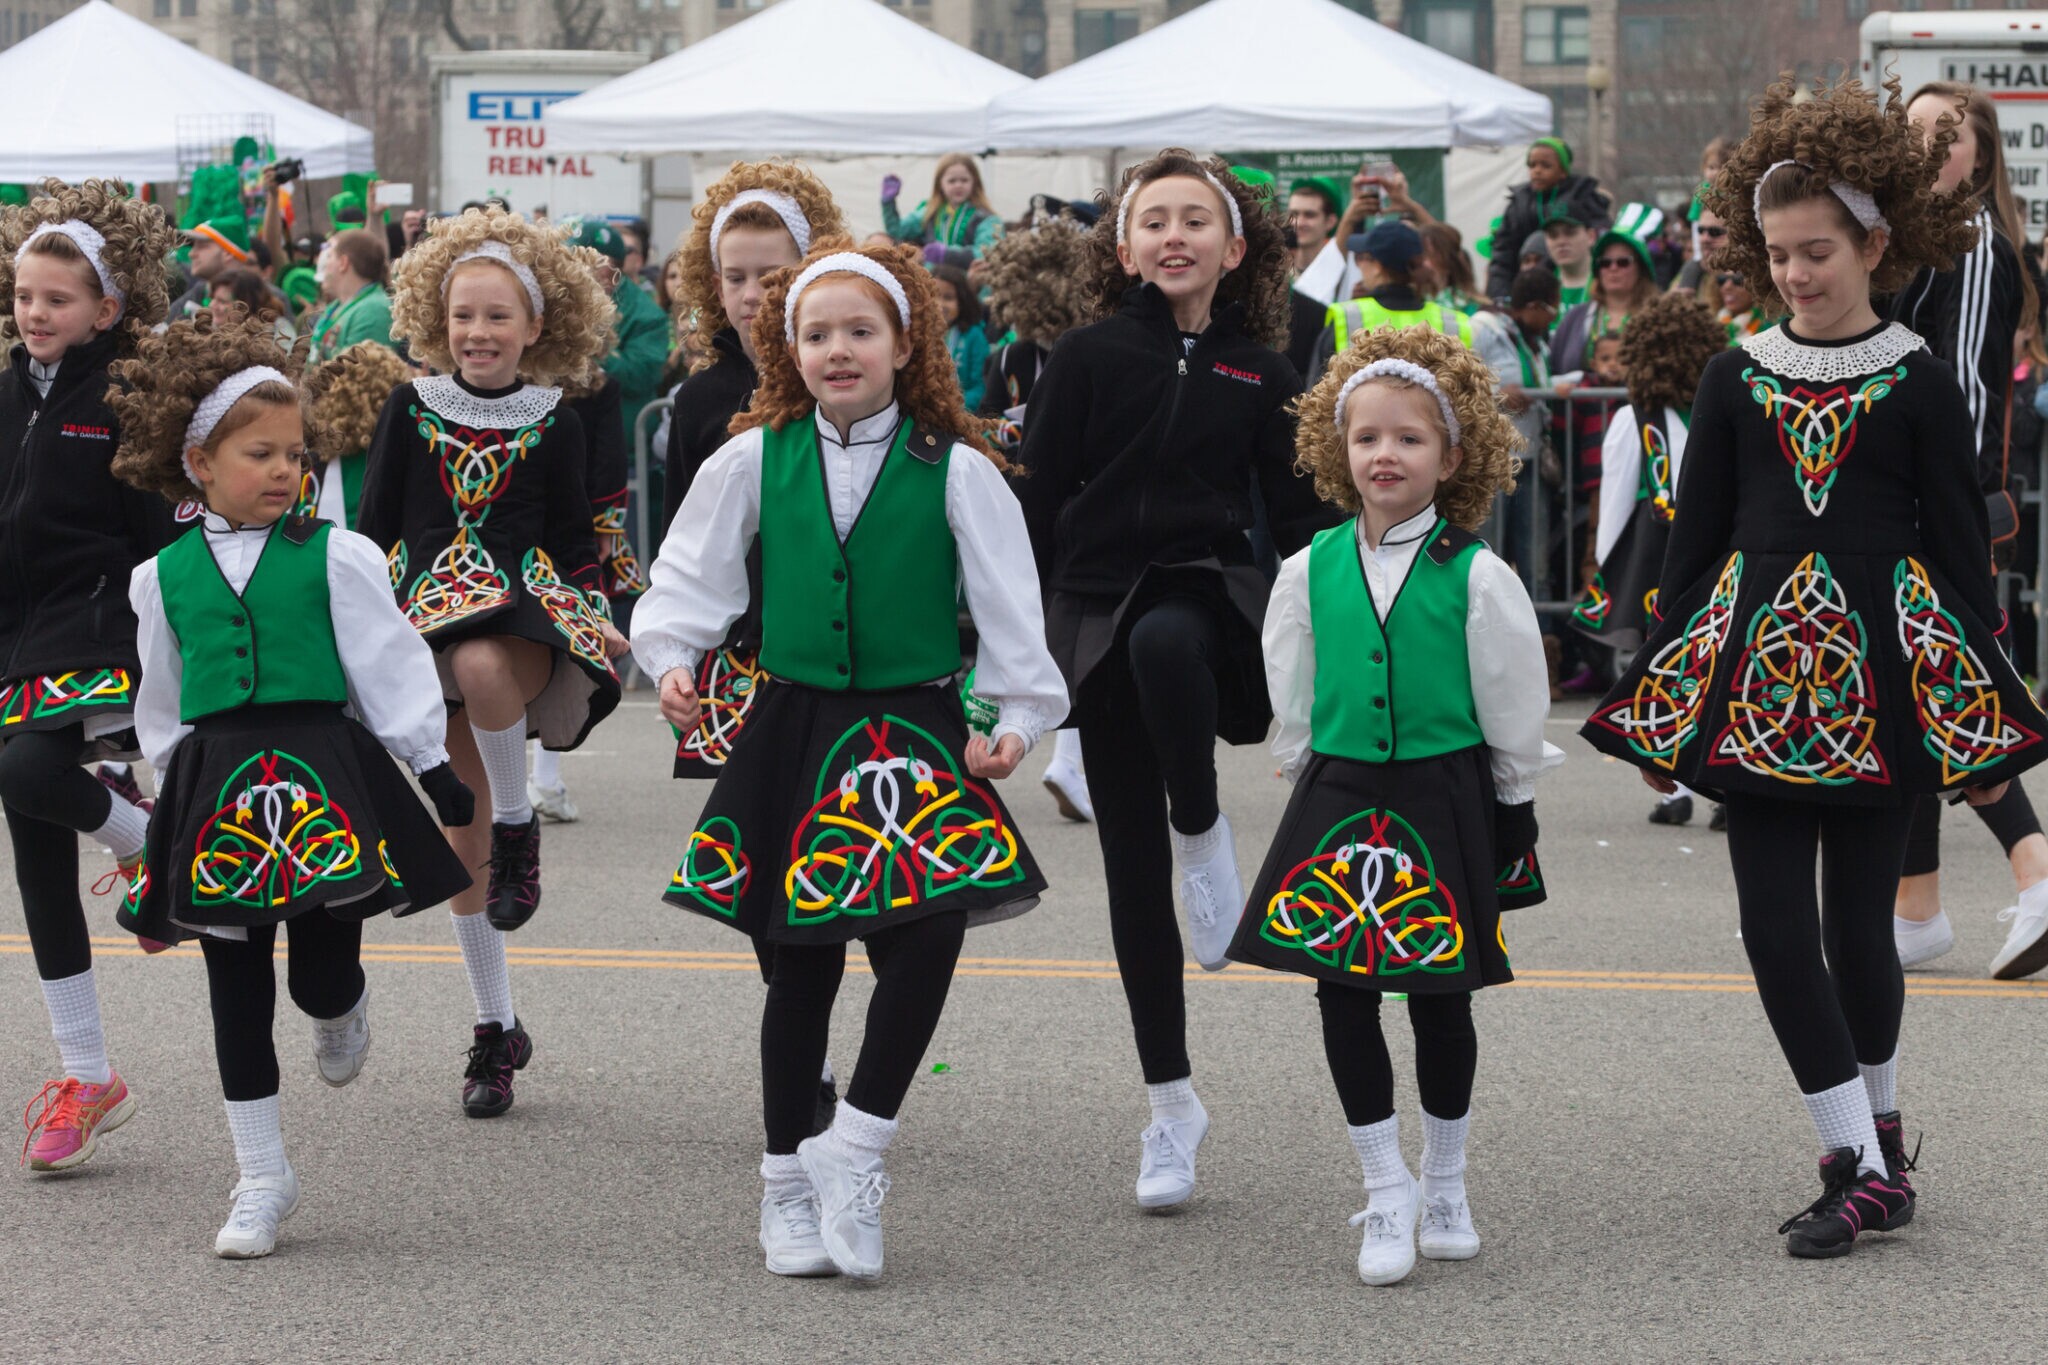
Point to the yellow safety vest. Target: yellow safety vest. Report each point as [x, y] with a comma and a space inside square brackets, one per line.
[1369, 315]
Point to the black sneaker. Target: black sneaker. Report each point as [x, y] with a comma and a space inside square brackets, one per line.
[1718, 821]
[493, 1057]
[1674, 812]
[1891, 1143]
[514, 891]
[1851, 1201]
[828, 1105]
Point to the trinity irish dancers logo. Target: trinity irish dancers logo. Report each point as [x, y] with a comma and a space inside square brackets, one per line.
[1960, 710]
[273, 838]
[1816, 431]
[1663, 715]
[1367, 901]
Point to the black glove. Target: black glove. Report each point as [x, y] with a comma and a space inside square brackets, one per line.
[454, 803]
[1514, 832]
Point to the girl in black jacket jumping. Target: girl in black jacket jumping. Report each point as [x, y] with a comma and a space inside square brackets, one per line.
[1144, 435]
[82, 267]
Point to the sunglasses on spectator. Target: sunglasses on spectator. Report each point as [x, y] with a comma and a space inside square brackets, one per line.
[1617, 262]
[1706, 231]
[1727, 277]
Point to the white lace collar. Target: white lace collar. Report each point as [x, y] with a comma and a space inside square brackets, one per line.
[870, 430]
[1781, 353]
[520, 408]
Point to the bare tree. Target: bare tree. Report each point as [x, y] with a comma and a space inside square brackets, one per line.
[1687, 74]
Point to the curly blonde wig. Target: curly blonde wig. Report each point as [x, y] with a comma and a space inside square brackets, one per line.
[139, 236]
[1666, 346]
[1486, 438]
[927, 389]
[700, 280]
[1260, 280]
[1844, 132]
[1038, 280]
[577, 316]
[154, 394]
[346, 392]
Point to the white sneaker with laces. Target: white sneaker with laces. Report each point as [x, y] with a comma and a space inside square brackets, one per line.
[340, 1045]
[2026, 944]
[261, 1203]
[789, 1230]
[1212, 893]
[1388, 1252]
[850, 1194]
[1069, 788]
[1922, 942]
[552, 802]
[1166, 1159]
[1447, 1233]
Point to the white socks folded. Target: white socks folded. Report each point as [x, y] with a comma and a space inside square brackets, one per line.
[124, 830]
[1173, 1100]
[1443, 1156]
[1842, 1117]
[1881, 1082]
[858, 1136]
[259, 1136]
[1190, 850]
[779, 1172]
[1379, 1154]
[504, 755]
[483, 957]
[547, 767]
[1066, 748]
[74, 1005]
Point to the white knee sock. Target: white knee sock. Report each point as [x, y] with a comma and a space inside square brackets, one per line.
[1379, 1154]
[1173, 1099]
[124, 830]
[504, 755]
[259, 1136]
[1066, 747]
[483, 957]
[1443, 1156]
[1841, 1115]
[74, 1005]
[547, 767]
[864, 1137]
[1882, 1084]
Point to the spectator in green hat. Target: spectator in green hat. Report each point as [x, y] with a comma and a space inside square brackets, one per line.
[217, 246]
[641, 351]
[1550, 188]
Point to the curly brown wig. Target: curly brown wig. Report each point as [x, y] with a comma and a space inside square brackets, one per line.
[1846, 133]
[346, 392]
[1666, 346]
[1260, 280]
[1038, 280]
[700, 280]
[1486, 438]
[139, 236]
[577, 316]
[154, 394]
[927, 389]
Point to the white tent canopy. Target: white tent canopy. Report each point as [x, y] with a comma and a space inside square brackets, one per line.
[821, 76]
[99, 93]
[1268, 75]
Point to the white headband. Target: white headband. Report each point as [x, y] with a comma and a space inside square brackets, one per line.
[215, 406]
[88, 240]
[851, 262]
[494, 250]
[1861, 206]
[1123, 208]
[1400, 369]
[787, 209]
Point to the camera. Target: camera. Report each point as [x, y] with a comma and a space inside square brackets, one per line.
[286, 171]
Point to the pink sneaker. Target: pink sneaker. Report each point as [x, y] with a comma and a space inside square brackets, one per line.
[73, 1115]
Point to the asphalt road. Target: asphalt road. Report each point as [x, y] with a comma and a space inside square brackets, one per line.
[1636, 1140]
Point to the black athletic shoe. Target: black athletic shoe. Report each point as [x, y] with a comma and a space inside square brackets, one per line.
[1851, 1201]
[1676, 812]
[514, 891]
[1891, 1142]
[493, 1057]
[1718, 821]
[828, 1105]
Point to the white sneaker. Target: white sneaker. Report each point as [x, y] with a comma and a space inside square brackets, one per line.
[2026, 945]
[261, 1203]
[789, 1231]
[850, 1197]
[1069, 788]
[552, 802]
[1166, 1159]
[340, 1045]
[1922, 943]
[1388, 1252]
[1213, 895]
[1447, 1233]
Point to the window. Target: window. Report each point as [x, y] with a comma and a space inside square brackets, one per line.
[1856, 8]
[401, 55]
[506, 41]
[1809, 10]
[1098, 30]
[1457, 28]
[1642, 41]
[1555, 35]
[266, 60]
[670, 42]
[240, 7]
[242, 55]
[507, 6]
[161, 10]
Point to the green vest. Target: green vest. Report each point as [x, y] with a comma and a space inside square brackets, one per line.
[273, 643]
[880, 611]
[1369, 315]
[1402, 690]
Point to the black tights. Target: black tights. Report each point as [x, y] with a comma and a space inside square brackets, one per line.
[324, 974]
[1827, 969]
[913, 965]
[1150, 747]
[1446, 1052]
[40, 772]
[2010, 819]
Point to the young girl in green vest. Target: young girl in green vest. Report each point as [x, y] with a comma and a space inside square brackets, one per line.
[1406, 669]
[476, 490]
[277, 674]
[855, 805]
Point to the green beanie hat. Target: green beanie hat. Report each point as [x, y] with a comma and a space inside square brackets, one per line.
[602, 237]
[1561, 147]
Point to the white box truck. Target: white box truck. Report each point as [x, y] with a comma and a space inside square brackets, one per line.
[488, 137]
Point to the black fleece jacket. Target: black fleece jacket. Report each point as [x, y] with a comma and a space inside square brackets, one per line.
[1579, 195]
[705, 405]
[1141, 451]
[70, 532]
